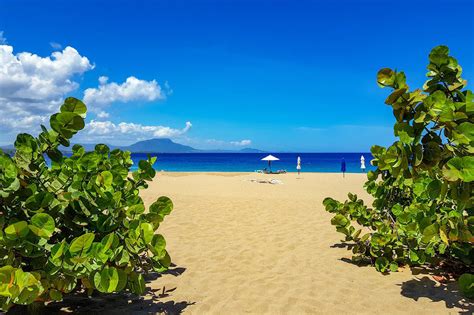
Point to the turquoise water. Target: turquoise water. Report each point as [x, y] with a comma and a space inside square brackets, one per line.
[249, 162]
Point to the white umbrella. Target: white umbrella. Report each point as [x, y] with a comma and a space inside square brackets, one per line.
[270, 158]
[362, 163]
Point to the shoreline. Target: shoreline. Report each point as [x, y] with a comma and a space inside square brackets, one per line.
[248, 173]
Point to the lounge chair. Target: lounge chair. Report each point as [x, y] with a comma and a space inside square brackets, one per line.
[265, 171]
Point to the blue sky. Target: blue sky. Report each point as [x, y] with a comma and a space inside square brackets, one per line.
[275, 75]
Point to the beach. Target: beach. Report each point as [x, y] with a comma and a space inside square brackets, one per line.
[239, 246]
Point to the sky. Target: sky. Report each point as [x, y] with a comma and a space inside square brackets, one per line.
[222, 74]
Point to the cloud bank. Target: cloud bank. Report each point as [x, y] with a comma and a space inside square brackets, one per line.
[108, 131]
[241, 143]
[132, 89]
[32, 87]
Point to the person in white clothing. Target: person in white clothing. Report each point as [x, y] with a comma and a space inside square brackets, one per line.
[362, 163]
[298, 165]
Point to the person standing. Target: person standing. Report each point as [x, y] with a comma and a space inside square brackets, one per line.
[343, 167]
[298, 165]
[362, 163]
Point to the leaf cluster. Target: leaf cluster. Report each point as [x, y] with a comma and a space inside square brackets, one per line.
[78, 223]
[423, 184]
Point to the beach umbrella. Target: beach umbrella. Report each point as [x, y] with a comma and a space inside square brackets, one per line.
[270, 158]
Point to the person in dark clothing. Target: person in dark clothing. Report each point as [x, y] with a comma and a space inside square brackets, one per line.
[343, 167]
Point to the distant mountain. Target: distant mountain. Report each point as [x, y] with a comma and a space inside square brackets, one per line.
[250, 150]
[158, 146]
[153, 146]
[8, 149]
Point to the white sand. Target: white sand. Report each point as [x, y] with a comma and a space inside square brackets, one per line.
[246, 247]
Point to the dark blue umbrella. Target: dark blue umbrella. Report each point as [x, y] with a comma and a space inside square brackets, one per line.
[343, 166]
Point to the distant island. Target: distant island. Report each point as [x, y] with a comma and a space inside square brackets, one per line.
[161, 145]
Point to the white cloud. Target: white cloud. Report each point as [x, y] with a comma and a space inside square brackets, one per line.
[32, 87]
[55, 45]
[241, 143]
[3, 39]
[132, 89]
[213, 144]
[102, 114]
[124, 132]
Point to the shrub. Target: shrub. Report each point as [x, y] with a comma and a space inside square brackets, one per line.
[78, 224]
[423, 184]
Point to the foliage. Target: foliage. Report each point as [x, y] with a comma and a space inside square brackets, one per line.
[423, 185]
[79, 224]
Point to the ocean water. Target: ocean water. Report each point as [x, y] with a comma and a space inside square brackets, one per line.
[249, 162]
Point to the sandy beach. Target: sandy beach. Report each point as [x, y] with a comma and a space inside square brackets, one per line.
[246, 247]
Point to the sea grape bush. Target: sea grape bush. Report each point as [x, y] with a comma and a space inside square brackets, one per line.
[78, 224]
[423, 185]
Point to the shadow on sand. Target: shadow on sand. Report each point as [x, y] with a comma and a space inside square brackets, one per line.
[120, 303]
[448, 293]
[425, 287]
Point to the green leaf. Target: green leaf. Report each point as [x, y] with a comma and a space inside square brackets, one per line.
[66, 123]
[161, 264]
[430, 231]
[55, 295]
[157, 246]
[381, 264]
[405, 132]
[340, 221]
[81, 244]
[397, 209]
[395, 96]
[163, 206]
[108, 241]
[464, 133]
[393, 266]
[17, 230]
[42, 224]
[385, 77]
[413, 256]
[135, 209]
[105, 179]
[136, 283]
[102, 149]
[147, 169]
[73, 105]
[371, 175]
[146, 231]
[55, 155]
[110, 279]
[57, 250]
[41, 200]
[439, 55]
[434, 189]
[418, 153]
[123, 258]
[466, 285]
[460, 168]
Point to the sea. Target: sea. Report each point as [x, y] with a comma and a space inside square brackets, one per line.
[250, 162]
